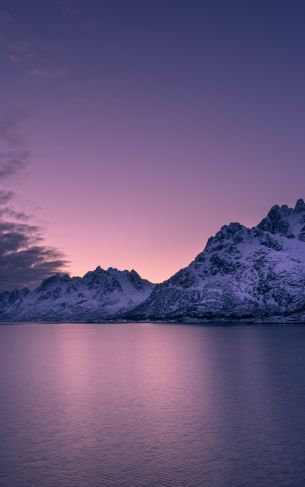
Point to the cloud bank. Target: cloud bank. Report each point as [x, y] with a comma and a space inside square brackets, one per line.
[24, 259]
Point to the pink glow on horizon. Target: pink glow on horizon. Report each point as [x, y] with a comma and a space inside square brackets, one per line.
[153, 212]
[149, 128]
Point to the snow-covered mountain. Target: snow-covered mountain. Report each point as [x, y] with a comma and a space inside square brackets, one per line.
[96, 296]
[255, 273]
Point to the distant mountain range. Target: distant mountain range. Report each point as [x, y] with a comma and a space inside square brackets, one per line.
[97, 296]
[243, 274]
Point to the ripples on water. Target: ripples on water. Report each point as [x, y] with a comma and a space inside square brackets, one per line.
[152, 405]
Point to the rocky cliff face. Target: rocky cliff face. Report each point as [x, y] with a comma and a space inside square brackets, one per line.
[243, 273]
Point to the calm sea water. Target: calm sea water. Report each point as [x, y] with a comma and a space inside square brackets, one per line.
[141, 405]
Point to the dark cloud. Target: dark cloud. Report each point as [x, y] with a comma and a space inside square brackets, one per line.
[13, 156]
[6, 212]
[24, 259]
[12, 162]
[5, 196]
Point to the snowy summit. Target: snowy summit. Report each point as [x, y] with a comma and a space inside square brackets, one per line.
[255, 274]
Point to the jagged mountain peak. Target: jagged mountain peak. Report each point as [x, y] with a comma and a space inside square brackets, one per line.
[115, 271]
[300, 206]
[282, 220]
[95, 296]
[97, 273]
[227, 233]
[242, 273]
[54, 279]
[111, 271]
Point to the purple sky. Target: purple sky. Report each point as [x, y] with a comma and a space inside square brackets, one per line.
[149, 124]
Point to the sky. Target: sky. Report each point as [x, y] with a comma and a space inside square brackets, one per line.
[131, 131]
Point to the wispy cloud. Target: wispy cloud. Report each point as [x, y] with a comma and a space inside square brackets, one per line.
[20, 51]
[9, 134]
[69, 8]
[14, 157]
[47, 72]
[6, 19]
[36, 60]
[11, 162]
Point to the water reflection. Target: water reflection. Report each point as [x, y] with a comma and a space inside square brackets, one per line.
[146, 405]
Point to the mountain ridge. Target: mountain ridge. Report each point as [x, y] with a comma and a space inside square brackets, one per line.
[254, 274]
[95, 296]
[243, 274]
